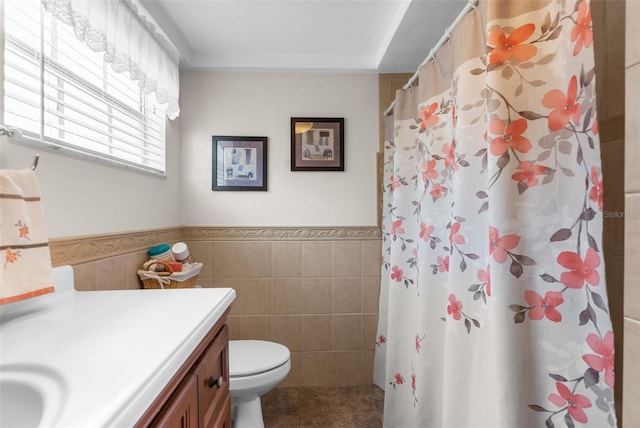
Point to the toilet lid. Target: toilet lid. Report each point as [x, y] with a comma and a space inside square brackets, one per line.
[249, 357]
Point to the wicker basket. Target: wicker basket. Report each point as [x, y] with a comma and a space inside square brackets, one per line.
[184, 279]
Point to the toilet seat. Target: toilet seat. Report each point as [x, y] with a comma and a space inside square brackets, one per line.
[252, 357]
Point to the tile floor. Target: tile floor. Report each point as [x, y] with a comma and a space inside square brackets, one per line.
[324, 407]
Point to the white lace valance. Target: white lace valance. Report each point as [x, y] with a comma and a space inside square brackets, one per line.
[129, 42]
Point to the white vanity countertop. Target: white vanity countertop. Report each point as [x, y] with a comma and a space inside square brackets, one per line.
[111, 351]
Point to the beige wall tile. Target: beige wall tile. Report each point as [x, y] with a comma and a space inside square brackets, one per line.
[371, 258]
[226, 259]
[631, 380]
[366, 366]
[316, 369]
[287, 259]
[201, 252]
[205, 283]
[632, 56]
[111, 273]
[256, 259]
[347, 258]
[235, 327]
[632, 130]
[237, 285]
[316, 259]
[615, 286]
[346, 368]
[609, 55]
[84, 276]
[256, 296]
[256, 327]
[346, 295]
[134, 262]
[316, 333]
[287, 330]
[346, 332]
[369, 330]
[287, 296]
[293, 378]
[370, 295]
[316, 295]
[632, 252]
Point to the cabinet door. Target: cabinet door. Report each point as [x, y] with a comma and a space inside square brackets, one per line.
[223, 415]
[181, 411]
[212, 374]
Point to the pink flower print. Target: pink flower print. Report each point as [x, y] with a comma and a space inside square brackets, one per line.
[582, 33]
[512, 46]
[581, 271]
[443, 264]
[23, 229]
[449, 151]
[398, 379]
[425, 231]
[396, 228]
[427, 118]
[437, 191]
[596, 192]
[396, 273]
[573, 402]
[10, 256]
[382, 339]
[418, 343]
[594, 127]
[454, 237]
[508, 136]
[428, 170]
[413, 382]
[605, 358]
[564, 106]
[485, 276]
[544, 306]
[395, 183]
[499, 245]
[529, 173]
[454, 307]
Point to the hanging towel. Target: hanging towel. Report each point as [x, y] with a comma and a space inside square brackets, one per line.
[25, 261]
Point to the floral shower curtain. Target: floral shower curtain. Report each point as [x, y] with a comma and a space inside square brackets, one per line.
[493, 303]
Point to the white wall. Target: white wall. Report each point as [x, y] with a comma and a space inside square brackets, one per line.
[261, 104]
[82, 197]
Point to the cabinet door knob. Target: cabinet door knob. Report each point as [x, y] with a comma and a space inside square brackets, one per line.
[216, 382]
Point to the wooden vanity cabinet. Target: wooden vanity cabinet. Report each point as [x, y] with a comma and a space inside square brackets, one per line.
[198, 395]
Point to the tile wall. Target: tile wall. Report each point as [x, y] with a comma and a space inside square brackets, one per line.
[314, 290]
[609, 53]
[631, 380]
[316, 295]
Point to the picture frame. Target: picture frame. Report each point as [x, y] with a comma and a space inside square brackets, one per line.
[317, 144]
[239, 163]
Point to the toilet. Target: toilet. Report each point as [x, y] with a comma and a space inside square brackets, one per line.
[255, 368]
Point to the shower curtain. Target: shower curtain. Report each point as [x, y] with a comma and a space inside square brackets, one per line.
[493, 303]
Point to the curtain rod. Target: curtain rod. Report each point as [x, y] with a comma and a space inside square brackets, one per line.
[471, 4]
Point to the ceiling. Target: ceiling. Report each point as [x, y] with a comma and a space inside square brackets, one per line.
[385, 36]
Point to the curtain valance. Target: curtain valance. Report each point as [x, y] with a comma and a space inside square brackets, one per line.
[130, 44]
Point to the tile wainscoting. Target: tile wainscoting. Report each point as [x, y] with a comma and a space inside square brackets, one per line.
[313, 289]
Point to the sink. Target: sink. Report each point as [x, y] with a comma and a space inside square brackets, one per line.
[30, 396]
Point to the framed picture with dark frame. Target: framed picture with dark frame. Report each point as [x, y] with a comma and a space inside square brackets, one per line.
[239, 163]
[317, 144]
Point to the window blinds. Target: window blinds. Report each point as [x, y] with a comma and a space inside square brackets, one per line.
[59, 92]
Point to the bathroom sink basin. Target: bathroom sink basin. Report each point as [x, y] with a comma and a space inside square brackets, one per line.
[30, 396]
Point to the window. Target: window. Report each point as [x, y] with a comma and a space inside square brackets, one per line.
[62, 94]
